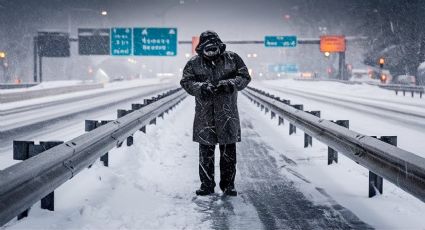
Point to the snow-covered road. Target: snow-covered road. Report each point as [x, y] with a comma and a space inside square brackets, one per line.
[151, 185]
[371, 110]
[20, 115]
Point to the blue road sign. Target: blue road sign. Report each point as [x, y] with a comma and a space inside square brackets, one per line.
[155, 41]
[280, 41]
[121, 41]
[283, 68]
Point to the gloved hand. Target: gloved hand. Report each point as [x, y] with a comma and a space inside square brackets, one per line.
[207, 90]
[224, 86]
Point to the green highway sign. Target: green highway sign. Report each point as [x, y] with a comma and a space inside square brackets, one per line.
[280, 41]
[121, 41]
[155, 41]
[283, 68]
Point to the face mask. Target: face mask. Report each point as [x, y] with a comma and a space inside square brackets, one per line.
[211, 50]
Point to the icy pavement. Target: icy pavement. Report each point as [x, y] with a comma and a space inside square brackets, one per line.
[108, 88]
[151, 185]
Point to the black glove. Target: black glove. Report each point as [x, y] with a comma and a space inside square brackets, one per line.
[207, 90]
[225, 86]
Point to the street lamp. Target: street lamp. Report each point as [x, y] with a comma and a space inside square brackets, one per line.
[97, 12]
[4, 64]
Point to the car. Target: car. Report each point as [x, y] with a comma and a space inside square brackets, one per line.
[405, 80]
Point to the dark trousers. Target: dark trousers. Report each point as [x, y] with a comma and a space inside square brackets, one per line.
[227, 166]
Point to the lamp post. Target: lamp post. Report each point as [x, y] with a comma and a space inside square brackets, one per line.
[3, 64]
[103, 13]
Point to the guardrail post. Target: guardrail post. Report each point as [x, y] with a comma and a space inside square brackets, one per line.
[272, 115]
[420, 94]
[293, 128]
[121, 113]
[152, 122]
[137, 107]
[288, 102]
[404, 92]
[89, 126]
[308, 140]
[266, 110]
[333, 154]
[280, 121]
[375, 181]
[23, 150]
[396, 92]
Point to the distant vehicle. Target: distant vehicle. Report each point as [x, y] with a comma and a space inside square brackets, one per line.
[371, 76]
[364, 75]
[360, 75]
[307, 75]
[120, 78]
[405, 80]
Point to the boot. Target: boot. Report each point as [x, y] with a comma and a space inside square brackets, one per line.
[204, 192]
[230, 192]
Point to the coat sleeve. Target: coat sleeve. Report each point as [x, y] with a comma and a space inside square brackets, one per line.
[242, 77]
[188, 81]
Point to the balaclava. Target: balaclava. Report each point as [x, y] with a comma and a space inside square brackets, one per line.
[210, 45]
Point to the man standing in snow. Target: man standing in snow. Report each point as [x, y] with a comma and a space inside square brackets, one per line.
[214, 76]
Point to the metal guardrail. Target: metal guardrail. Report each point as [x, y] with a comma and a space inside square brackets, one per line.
[404, 88]
[329, 79]
[383, 160]
[34, 179]
[37, 93]
[17, 86]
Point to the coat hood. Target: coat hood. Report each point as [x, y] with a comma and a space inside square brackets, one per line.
[209, 37]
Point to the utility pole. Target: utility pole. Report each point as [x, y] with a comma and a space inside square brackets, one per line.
[341, 66]
[35, 57]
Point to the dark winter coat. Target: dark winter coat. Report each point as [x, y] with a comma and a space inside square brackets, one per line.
[216, 116]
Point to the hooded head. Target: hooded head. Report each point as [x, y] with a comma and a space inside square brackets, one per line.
[210, 45]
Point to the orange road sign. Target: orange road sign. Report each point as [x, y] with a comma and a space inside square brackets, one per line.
[332, 43]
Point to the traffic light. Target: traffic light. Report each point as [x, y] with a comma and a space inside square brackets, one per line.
[381, 62]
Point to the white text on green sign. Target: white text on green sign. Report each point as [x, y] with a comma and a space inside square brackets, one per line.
[121, 41]
[280, 41]
[155, 41]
